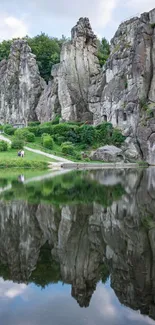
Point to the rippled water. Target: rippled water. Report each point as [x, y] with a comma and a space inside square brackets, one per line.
[78, 248]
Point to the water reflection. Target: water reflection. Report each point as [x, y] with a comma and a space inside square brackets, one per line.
[93, 231]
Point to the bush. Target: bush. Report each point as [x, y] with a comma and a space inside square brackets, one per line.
[48, 142]
[1, 127]
[117, 138]
[87, 134]
[62, 129]
[17, 144]
[30, 137]
[32, 124]
[68, 150]
[3, 146]
[104, 132]
[67, 143]
[22, 163]
[22, 133]
[34, 130]
[44, 129]
[77, 155]
[8, 129]
[43, 136]
[59, 140]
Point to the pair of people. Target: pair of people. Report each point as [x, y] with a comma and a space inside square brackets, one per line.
[21, 153]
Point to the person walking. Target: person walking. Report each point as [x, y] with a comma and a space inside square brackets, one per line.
[19, 153]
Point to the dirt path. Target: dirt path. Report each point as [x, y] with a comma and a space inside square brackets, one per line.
[39, 152]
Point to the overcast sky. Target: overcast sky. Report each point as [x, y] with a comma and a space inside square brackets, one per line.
[57, 17]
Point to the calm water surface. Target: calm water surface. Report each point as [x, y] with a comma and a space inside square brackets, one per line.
[78, 248]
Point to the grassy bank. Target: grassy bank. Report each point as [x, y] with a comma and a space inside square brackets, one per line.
[23, 163]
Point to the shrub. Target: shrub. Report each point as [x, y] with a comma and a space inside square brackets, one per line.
[43, 136]
[59, 140]
[48, 142]
[32, 124]
[73, 135]
[30, 137]
[62, 129]
[103, 133]
[67, 143]
[77, 155]
[1, 127]
[8, 129]
[87, 134]
[68, 150]
[17, 144]
[44, 129]
[3, 146]
[21, 133]
[34, 130]
[117, 137]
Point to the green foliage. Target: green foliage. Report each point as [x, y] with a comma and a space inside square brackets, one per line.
[48, 142]
[17, 144]
[73, 188]
[67, 143]
[87, 134]
[103, 133]
[22, 133]
[34, 130]
[153, 25]
[148, 222]
[3, 146]
[1, 127]
[117, 137]
[67, 149]
[30, 137]
[5, 49]
[23, 163]
[8, 129]
[35, 123]
[47, 51]
[43, 136]
[104, 273]
[59, 140]
[103, 51]
[56, 120]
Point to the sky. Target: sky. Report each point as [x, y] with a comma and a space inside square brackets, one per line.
[29, 305]
[57, 17]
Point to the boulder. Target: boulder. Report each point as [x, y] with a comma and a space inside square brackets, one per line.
[108, 154]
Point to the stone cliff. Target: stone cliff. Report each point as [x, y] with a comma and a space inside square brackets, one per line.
[122, 92]
[20, 85]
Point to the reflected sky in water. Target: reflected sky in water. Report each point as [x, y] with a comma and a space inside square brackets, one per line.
[23, 305]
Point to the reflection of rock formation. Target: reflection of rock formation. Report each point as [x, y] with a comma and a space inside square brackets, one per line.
[83, 237]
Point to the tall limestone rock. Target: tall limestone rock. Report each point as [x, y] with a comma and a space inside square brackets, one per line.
[71, 78]
[20, 85]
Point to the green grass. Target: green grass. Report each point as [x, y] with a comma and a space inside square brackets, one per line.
[28, 173]
[12, 154]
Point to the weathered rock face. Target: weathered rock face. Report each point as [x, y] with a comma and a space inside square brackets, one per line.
[78, 64]
[20, 85]
[81, 238]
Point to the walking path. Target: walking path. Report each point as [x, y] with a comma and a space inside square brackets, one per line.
[39, 152]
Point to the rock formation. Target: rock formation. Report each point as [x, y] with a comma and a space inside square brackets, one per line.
[84, 238]
[20, 85]
[71, 78]
[122, 92]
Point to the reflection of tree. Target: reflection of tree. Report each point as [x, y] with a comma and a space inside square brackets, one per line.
[73, 188]
[47, 270]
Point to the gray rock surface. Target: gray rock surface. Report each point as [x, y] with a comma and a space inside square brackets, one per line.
[20, 85]
[108, 154]
[70, 85]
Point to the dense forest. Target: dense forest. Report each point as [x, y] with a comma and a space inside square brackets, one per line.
[47, 50]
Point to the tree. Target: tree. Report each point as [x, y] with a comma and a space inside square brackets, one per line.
[5, 49]
[103, 51]
[47, 50]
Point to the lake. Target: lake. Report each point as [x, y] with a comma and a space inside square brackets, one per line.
[77, 247]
